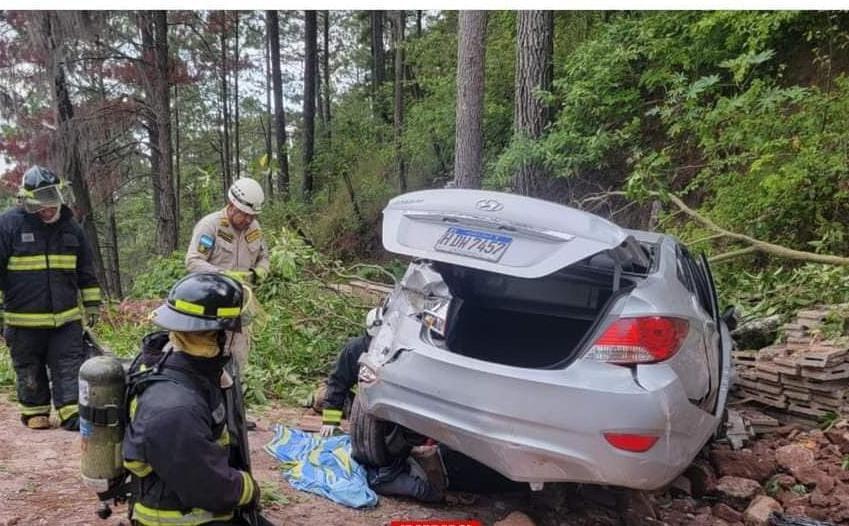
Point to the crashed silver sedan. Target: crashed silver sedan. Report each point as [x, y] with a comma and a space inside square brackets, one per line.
[544, 342]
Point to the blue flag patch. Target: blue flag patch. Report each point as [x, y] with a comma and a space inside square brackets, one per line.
[205, 243]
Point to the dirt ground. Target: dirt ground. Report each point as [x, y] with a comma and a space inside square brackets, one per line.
[40, 484]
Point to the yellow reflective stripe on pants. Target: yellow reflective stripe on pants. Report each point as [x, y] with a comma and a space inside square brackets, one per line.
[154, 517]
[28, 319]
[90, 294]
[68, 411]
[138, 468]
[31, 410]
[331, 416]
[247, 489]
[27, 263]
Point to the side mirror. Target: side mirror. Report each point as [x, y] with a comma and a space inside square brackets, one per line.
[729, 316]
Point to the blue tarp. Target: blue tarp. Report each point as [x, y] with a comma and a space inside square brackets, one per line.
[321, 465]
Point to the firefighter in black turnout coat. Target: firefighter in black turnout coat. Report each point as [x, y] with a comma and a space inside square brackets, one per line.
[49, 284]
[177, 444]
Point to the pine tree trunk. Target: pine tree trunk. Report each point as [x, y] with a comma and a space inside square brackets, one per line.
[167, 227]
[326, 67]
[178, 182]
[471, 53]
[225, 98]
[115, 287]
[273, 22]
[269, 153]
[70, 163]
[398, 41]
[534, 48]
[378, 63]
[236, 146]
[418, 24]
[310, 63]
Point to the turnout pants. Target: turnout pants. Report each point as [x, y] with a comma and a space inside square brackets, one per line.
[37, 352]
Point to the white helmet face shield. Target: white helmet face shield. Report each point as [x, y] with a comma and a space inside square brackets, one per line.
[41, 198]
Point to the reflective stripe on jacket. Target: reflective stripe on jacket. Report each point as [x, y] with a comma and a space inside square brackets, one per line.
[46, 270]
[177, 446]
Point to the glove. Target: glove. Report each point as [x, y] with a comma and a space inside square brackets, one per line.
[238, 275]
[92, 316]
[328, 430]
[259, 274]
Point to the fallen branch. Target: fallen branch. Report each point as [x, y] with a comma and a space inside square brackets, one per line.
[756, 245]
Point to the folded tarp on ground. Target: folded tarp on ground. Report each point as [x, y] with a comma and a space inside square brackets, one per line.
[321, 465]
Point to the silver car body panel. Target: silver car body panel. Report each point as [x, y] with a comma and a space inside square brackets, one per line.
[547, 425]
[545, 236]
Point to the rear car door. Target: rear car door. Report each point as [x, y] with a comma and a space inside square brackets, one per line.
[713, 343]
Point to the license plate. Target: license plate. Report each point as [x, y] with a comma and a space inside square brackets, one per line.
[473, 243]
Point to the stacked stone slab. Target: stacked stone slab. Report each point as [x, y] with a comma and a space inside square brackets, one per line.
[805, 374]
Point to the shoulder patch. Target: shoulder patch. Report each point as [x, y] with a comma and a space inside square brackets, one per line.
[223, 221]
[253, 235]
[226, 236]
[205, 243]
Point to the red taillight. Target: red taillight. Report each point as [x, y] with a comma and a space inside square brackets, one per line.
[630, 442]
[640, 340]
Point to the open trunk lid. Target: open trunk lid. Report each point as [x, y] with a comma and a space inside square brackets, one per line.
[498, 232]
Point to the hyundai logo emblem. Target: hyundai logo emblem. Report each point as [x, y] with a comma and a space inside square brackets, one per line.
[489, 205]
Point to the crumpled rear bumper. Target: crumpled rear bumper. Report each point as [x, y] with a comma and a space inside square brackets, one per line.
[544, 425]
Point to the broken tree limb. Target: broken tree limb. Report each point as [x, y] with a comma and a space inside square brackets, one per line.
[754, 244]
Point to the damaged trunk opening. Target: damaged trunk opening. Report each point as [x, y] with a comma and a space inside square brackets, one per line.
[532, 323]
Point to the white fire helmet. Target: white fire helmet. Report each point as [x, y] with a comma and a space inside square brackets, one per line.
[246, 194]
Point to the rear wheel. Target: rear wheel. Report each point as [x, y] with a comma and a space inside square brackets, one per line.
[373, 441]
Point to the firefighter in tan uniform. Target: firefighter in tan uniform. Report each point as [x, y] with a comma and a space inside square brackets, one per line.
[230, 241]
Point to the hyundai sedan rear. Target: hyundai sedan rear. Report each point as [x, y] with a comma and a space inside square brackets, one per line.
[544, 342]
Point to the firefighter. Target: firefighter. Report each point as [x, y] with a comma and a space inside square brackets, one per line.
[46, 274]
[337, 388]
[177, 444]
[230, 241]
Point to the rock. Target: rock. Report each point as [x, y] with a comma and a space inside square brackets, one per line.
[727, 513]
[516, 518]
[758, 512]
[702, 478]
[811, 475]
[738, 488]
[820, 500]
[840, 438]
[794, 457]
[743, 463]
[757, 333]
[784, 481]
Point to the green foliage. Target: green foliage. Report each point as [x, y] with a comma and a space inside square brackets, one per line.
[301, 325]
[7, 373]
[161, 273]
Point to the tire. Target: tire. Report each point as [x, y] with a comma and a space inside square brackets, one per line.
[375, 442]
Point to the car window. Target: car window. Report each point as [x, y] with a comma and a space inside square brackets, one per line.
[700, 285]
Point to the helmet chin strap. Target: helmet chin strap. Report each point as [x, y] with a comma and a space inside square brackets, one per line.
[56, 214]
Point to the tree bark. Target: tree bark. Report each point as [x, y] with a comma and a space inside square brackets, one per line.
[273, 22]
[236, 145]
[326, 67]
[269, 153]
[378, 63]
[115, 287]
[471, 49]
[178, 180]
[68, 140]
[398, 42]
[225, 98]
[310, 71]
[418, 24]
[534, 49]
[167, 232]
